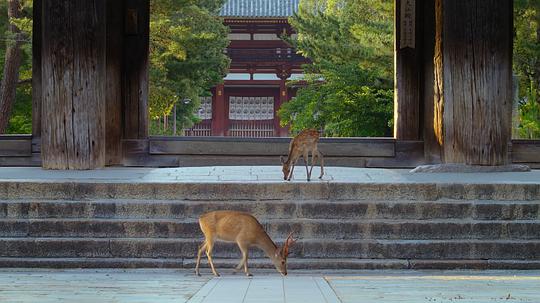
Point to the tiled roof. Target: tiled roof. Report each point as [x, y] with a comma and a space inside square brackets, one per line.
[259, 8]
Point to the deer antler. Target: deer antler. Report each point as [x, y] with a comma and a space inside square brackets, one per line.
[289, 242]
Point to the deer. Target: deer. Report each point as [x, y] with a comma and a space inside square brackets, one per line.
[301, 145]
[246, 231]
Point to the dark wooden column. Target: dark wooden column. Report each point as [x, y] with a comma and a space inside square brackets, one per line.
[283, 97]
[135, 77]
[473, 80]
[432, 148]
[220, 114]
[115, 55]
[36, 75]
[73, 84]
[407, 70]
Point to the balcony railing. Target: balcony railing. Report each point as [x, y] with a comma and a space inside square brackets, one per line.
[264, 55]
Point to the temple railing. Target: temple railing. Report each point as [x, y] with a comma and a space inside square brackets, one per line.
[264, 54]
[201, 129]
[251, 129]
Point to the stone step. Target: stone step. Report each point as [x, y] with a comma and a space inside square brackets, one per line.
[273, 209]
[314, 229]
[227, 191]
[225, 265]
[305, 248]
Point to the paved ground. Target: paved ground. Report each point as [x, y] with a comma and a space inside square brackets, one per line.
[166, 286]
[259, 174]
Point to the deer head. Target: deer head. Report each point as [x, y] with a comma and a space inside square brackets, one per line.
[281, 254]
[286, 167]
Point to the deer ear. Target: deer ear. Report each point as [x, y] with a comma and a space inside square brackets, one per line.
[282, 159]
[288, 243]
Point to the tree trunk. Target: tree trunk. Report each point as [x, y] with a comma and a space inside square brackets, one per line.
[174, 120]
[8, 87]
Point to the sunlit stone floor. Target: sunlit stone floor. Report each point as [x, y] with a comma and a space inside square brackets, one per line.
[311, 287]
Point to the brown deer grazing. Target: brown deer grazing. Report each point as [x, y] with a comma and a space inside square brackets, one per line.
[301, 145]
[246, 231]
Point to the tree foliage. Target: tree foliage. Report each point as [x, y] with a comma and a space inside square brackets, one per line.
[527, 65]
[186, 56]
[20, 120]
[348, 88]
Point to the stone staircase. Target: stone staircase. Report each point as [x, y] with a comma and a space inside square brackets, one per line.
[340, 225]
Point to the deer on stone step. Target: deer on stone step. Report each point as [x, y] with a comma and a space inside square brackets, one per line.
[301, 145]
[246, 231]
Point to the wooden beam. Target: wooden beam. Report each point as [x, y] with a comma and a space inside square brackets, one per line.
[136, 61]
[473, 72]
[73, 84]
[407, 71]
[269, 146]
[15, 146]
[526, 151]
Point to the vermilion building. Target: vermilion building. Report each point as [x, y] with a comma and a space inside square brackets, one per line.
[246, 103]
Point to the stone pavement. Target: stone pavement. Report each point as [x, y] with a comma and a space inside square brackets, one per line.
[164, 286]
[260, 174]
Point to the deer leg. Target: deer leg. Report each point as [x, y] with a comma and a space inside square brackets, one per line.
[209, 248]
[306, 162]
[291, 173]
[199, 253]
[239, 266]
[313, 157]
[321, 160]
[244, 261]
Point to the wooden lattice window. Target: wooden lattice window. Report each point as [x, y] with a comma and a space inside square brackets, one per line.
[251, 108]
[205, 111]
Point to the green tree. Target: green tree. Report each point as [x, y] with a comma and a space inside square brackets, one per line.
[527, 65]
[186, 57]
[15, 67]
[348, 88]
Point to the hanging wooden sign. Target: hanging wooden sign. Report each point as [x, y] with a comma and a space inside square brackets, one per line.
[407, 23]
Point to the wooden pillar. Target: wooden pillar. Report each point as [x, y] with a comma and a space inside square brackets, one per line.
[136, 61]
[473, 80]
[283, 97]
[73, 84]
[432, 148]
[115, 52]
[220, 113]
[36, 75]
[407, 71]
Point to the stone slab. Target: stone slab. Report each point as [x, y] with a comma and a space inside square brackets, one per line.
[267, 289]
[470, 287]
[128, 286]
[270, 174]
[463, 168]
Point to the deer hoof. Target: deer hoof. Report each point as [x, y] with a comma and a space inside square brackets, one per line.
[249, 274]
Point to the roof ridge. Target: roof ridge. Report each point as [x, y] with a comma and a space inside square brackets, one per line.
[259, 8]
